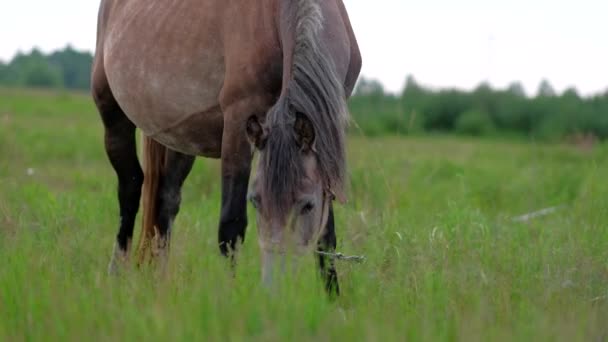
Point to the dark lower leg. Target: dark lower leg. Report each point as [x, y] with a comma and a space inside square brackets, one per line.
[121, 150]
[327, 243]
[233, 217]
[178, 166]
[236, 166]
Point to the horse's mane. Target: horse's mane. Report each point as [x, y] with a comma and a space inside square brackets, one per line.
[315, 91]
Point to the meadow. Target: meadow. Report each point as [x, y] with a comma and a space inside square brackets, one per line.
[432, 214]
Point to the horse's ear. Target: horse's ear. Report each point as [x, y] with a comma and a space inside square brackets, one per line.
[305, 132]
[255, 133]
[338, 195]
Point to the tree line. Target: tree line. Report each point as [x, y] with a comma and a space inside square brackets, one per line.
[66, 68]
[481, 112]
[418, 109]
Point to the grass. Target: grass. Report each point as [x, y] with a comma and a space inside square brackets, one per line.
[433, 216]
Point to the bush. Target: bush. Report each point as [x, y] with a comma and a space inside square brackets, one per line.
[42, 75]
[476, 123]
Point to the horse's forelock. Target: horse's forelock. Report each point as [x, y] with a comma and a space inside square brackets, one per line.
[280, 160]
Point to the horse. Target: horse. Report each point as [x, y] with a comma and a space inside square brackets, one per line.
[226, 79]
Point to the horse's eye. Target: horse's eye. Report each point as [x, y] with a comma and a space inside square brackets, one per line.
[307, 208]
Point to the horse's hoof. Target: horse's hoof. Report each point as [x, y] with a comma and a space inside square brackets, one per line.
[113, 268]
[118, 262]
[160, 256]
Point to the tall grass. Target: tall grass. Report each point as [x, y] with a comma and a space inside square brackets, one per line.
[432, 214]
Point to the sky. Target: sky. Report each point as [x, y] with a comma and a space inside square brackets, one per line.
[442, 43]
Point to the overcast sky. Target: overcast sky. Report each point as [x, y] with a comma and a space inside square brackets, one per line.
[442, 43]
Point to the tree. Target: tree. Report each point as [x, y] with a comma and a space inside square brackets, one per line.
[545, 89]
[33, 70]
[411, 86]
[75, 67]
[3, 72]
[369, 87]
[517, 89]
[571, 93]
[483, 88]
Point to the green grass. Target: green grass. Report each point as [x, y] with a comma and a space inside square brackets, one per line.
[433, 216]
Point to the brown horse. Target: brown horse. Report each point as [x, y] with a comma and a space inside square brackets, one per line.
[220, 79]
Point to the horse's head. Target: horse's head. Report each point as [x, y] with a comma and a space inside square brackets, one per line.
[289, 192]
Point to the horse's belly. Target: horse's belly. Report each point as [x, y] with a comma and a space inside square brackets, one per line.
[200, 134]
[156, 95]
[164, 76]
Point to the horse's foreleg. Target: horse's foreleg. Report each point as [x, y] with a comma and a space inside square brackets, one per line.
[177, 168]
[327, 243]
[236, 166]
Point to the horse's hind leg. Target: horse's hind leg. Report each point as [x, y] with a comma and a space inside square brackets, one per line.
[177, 168]
[121, 150]
[327, 243]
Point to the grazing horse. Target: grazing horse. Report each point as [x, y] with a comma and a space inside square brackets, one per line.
[222, 79]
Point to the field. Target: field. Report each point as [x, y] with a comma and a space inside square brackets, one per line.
[433, 215]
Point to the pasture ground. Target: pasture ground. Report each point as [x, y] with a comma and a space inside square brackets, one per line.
[433, 215]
